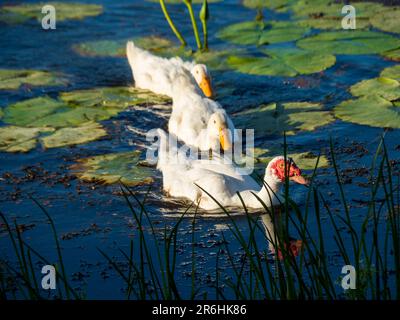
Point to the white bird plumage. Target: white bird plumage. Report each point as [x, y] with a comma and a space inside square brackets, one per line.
[186, 178]
[198, 121]
[157, 74]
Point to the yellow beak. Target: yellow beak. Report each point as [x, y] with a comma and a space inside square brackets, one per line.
[205, 86]
[225, 139]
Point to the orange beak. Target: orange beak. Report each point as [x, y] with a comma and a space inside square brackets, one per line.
[205, 86]
[299, 179]
[225, 139]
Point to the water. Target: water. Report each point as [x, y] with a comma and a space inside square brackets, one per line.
[90, 216]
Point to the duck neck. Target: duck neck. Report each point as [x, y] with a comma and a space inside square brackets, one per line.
[269, 190]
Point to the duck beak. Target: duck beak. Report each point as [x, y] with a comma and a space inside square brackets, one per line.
[205, 86]
[299, 180]
[225, 139]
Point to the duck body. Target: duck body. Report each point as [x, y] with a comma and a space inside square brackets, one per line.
[191, 115]
[157, 74]
[196, 180]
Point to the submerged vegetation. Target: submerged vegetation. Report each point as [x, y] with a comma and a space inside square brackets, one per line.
[283, 268]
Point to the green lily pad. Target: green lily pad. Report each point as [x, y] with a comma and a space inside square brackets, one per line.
[276, 5]
[19, 139]
[77, 107]
[64, 11]
[304, 160]
[259, 33]
[112, 97]
[11, 79]
[371, 110]
[387, 20]
[392, 54]
[290, 117]
[331, 23]
[71, 136]
[350, 42]
[392, 72]
[384, 87]
[117, 48]
[283, 62]
[1, 113]
[181, 1]
[113, 168]
[48, 112]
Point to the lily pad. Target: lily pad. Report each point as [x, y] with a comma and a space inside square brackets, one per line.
[117, 48]
[180, 1]
[113, 168]
[392, 72]
[71, 136]
[276, 5]
[384, 87]
[392, 54]
[290, 117]
[304, 160]
[48, 112]
[11, 79]
[112, 97]
[259, 33]
[387, 20]
[77, 107]
[283, 62]
[371, 110]
[350, 42]
[64, 11]
[19, 139]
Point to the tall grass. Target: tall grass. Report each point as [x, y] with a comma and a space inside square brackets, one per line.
[275, 272]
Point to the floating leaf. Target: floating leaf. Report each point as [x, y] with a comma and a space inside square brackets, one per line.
[18, 139]
[387, 20]
[392, 54]
[273, 119]
[48, 112]
[350, 42]
[277, 5]
[71, 136]
[13, 79]
[65, 11]
[304, 160]
[283, 62]
[392, 72]
[384, 87]
[117, 48]
[180, 1]
[259, 33]
[371, 110]
[331, 23]
[1, 113]
[112, 97]
[114, 167]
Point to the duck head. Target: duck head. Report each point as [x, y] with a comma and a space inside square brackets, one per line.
[276, 170]
[203, 79]
[218, 131]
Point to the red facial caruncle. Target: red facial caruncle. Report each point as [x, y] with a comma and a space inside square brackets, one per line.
[294, 172]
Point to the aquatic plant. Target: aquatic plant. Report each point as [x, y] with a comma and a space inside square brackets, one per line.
[350, 42]
[112, 168]
[70, 119]
[377, 102]
[12, 79]
[204, 14]
[282, 62]
[259, 32]
[65, 11]
[289, 117]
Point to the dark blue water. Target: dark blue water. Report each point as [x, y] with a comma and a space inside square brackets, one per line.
[76, 206]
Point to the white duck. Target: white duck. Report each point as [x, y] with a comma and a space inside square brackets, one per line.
[220, 179]
[198, 121]
[157, 74]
